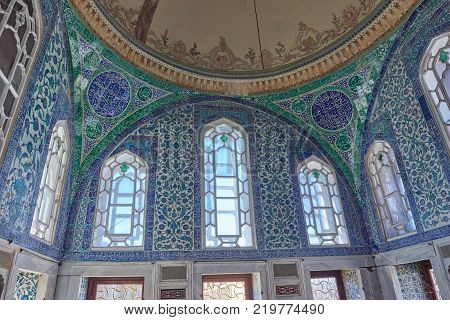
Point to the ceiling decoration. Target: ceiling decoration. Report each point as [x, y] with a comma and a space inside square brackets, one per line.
[332, 110]
[348, 90]
[235, 37]
[241, 47]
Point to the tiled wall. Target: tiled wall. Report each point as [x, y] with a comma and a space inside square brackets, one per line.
[326, 117]
[400, 115]
[170, 144]
[26, 286]
[46, 100]
[352, 285]
[412, 281]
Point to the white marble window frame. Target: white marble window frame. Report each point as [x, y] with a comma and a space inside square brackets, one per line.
[333, 191]
[61, 128]
[432, 79]
[143, 212]
[34, 28]
[383, 210]
[243, 135]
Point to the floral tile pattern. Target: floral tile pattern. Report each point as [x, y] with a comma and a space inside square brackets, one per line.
[47, 99]
[412, 282]
[400, 115]
[352, 285]
[279, 219]
[82, 292]
[161, 123]
[26, 286]
[173, 225]
[416, 146]
[169, 141]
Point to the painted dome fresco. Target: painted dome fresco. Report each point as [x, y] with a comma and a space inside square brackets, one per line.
[216, 45]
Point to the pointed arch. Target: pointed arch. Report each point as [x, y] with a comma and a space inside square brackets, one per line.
[121, 203]
[322, 203]
[388, 191]
[435, 79]
[227, 202]
[20, 33]
[52, 184]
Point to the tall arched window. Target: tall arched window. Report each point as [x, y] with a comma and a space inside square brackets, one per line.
[121, 202]
[52, 184]
[321, 203]
[227, 198]
[435, 77]
[388, 190]
[18, 42]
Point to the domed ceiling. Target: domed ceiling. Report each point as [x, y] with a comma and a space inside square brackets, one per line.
[241, 46]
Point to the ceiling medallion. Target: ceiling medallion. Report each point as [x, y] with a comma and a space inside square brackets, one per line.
[109, 94]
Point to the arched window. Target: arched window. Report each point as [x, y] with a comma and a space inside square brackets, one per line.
[435, 77]
[388, 190]
[321, 203]
[19, 42]
[52, 184]
[227, 198]
[121, 202]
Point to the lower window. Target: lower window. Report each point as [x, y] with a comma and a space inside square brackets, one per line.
[327, 285]
[227, 287]
[115, 289]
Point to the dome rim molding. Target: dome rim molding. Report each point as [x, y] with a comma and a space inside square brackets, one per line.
[386, 22]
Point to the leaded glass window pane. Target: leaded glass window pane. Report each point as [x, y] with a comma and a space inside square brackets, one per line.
[120, 211]
[115, 288]
[389, 192]
[18, 42]
[52, 184]
[435, 76]
[321, 204]
[230, 290]
[227, 287]
[328, 285]
[226, 203]
[119, 292]
[325, 288]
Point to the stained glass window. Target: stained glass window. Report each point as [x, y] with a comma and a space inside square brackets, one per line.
[322, 203]
[52, 184]
[227, 204]
[19, 42]
[388, 190]
[435, 76]
[121, 202]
